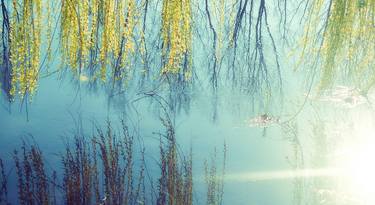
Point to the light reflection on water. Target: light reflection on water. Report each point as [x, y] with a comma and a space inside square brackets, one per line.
[307, 162]
[324, 156]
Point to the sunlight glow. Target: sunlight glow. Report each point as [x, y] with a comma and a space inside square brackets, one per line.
[282, 174]
[358, 172]
[351, 171]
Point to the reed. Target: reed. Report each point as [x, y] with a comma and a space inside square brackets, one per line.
[176, 181]
[110, 155]
[78, 172]
[214, 179]
[3, 185]
[117, 160]
[102, 170]
[33, 186]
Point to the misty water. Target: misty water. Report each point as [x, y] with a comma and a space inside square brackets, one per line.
[57, 111]
[263, 165]
[285, 143]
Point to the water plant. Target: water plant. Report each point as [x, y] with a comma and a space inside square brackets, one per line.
[295, 159]
[214, 179]
[33, 186]
[107, 168]
[79, 174]
[3, 185]
[176, 181]
[109, 155]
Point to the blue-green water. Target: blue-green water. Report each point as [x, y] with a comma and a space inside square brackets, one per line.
[54, 112]
[255, 155]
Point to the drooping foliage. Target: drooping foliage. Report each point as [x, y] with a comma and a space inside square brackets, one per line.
[262, 63]
[176, 34]
[99, 35]
[242, 48]
[215, 12]
[237, 43]
[5, 68]
[344, 40]
[99, 39]
[24, 42]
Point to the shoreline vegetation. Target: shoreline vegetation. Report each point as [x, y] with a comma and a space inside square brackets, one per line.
[109, 169]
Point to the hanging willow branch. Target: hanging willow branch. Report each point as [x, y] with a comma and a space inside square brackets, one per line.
[5, 67]
[258, 73]
[25, 38]
[99, 33]
[177, 35]
[347, 40]
[214, 66]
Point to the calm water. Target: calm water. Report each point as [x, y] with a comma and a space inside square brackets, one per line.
[53, 114]
[261, 163]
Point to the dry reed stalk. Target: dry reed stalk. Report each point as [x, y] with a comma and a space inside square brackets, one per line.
[175, 183]
[100, 170]
[215, 179]
[33, 186]
[3, 185]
